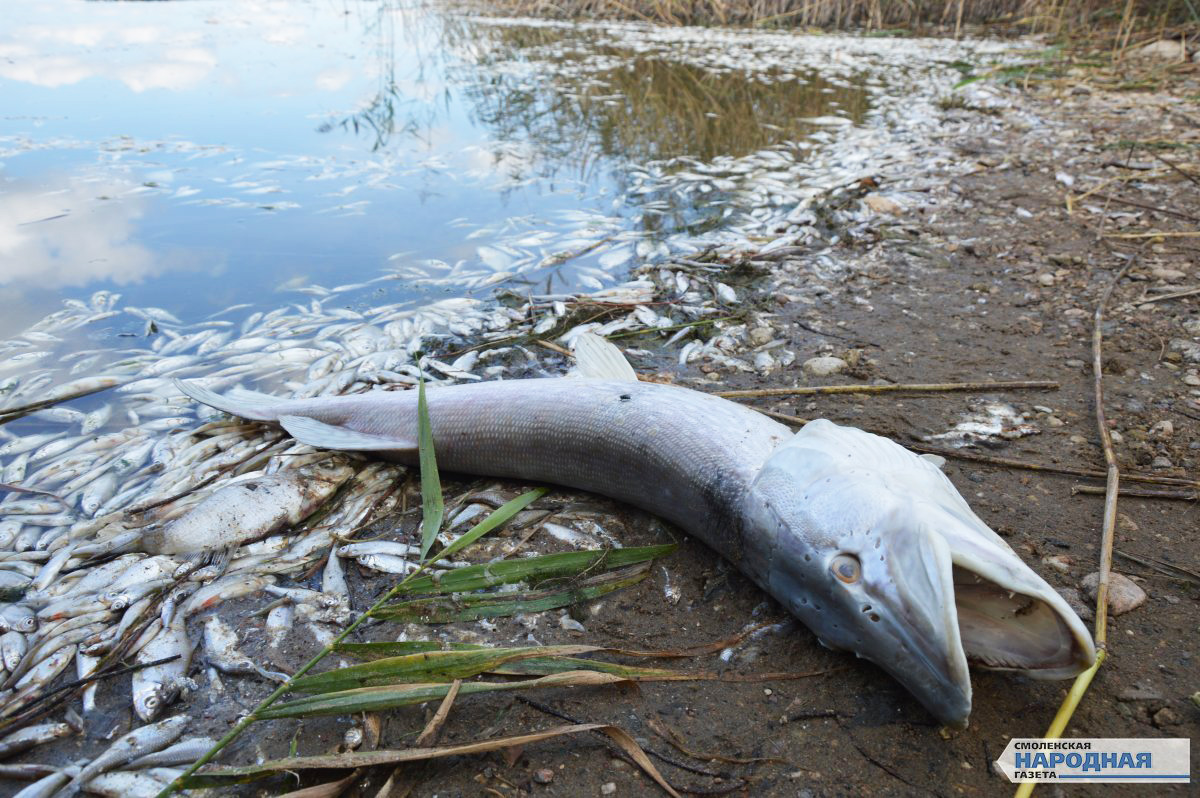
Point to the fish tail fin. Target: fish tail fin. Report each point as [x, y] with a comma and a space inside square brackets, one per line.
[597, 359]
[238, 402]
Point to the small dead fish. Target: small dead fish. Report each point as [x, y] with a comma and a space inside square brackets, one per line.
[220, 649]
[249, 510]
[139, 742]
[30, 736]
[158, 685]
[183, 752]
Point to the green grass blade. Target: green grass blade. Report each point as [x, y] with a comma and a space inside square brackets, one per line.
[544, 666]
[533, 570]
[473, 607]
[384, 650]
[374, 699]
[432, 506]
[428, 666]
[501, 516]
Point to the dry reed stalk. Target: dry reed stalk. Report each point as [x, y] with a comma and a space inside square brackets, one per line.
[1084, 680]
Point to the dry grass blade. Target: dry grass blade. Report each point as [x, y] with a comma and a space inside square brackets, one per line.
[223, 776]
[677, 742]
[933, 387]
[330, 789]
[1084, 680]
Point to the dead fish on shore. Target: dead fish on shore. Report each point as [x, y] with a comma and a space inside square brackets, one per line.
[867, 543]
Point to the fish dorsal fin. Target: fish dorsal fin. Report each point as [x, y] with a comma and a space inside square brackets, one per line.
[597, 359]
[327, 436]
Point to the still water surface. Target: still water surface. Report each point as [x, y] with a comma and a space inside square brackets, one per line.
[197, 155]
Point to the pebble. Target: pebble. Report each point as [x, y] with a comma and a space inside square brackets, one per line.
[1165, 717]
[608, 788]
[1116, 436]
[1162, 461]
[1162, 430]
[543, 776]
[1169, 275]
[1139, 693]
[1059, 562]
[1075, 601]
[1191, 378]
[1124, 594]
[761, 335]
[1075, 363]
[1046, 279]
[1054, 421]
[881, 204]
[824, 366]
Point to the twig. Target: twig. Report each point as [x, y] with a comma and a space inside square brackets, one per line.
[1175, 166]
[1176, 295]
[1166, 568]
[1155, 208]
[562, 350]
[660, 757]
[932, 387]
[1156, 234]
[1083, 680]
[95, 677]
[1142, 493]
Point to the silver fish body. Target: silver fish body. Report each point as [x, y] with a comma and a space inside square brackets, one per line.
[868, 544]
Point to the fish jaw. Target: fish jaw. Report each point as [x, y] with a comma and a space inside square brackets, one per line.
[928, 585]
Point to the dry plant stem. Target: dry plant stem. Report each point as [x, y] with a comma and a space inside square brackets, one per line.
[1140, 493]
[427, 738]
[1083, 680]
[1176, 295]
[933, 387]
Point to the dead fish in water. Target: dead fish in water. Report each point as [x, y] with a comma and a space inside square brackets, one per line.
[139, 742]
[867, 543]
[246, 511]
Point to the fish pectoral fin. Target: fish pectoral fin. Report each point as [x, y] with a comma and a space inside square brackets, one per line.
[597, 359]
[327, 436]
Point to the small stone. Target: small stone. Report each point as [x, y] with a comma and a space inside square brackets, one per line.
[1125, 523]
[1054, 421]
[1139, 693]
[824, 366]
[543, 775]
[761, 335]
[1075, 601]
[1162, 50]
[1165, 717]
[608, 788]
[1059, 562]
[1116, 437]
[1046, 279]
[881, 204]
[1162, 430]
[1124, 594]
[1170, 275]
[1075, 363]
[1078, 440]
[1191, 378]
[1161, 462]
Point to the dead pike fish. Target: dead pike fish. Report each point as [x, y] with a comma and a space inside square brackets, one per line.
[249, 510]
[868, 544]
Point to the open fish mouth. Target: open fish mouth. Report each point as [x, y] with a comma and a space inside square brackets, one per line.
[1003, 628]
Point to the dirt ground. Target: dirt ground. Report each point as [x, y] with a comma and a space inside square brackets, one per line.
[989, 277]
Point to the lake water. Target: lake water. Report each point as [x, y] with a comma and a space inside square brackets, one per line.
[197, 155]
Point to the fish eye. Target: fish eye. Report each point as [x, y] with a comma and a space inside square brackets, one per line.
[846, 568]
